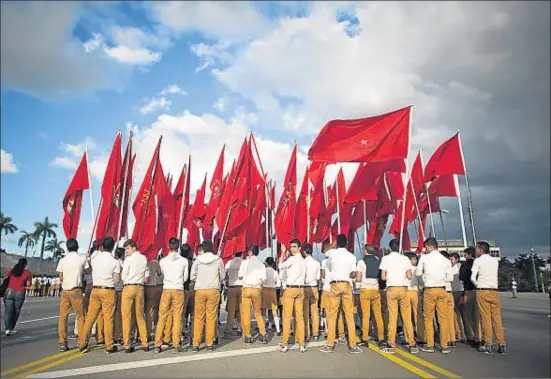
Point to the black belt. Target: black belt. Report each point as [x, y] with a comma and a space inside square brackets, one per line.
[235, 286]
[340, 281]
[103, 288]
[139, 285]
[312, 286]
[294, 286]
[486, 289]
[431, 288]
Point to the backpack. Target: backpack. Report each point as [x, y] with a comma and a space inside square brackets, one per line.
[372, 267]
[4, 286]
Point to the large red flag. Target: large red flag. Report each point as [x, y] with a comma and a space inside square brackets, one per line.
[126, 180]
[447, 159]
[363, 185]
[72, 202]
[215, 189]
[371, 139]
[285, 214]
[111, 191]
[302, 211]
[166, 208]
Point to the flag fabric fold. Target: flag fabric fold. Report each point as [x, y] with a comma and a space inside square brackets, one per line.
[72, 201]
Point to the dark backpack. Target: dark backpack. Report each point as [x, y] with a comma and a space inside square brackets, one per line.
[372, 267]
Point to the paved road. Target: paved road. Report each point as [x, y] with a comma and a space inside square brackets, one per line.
[33, 352]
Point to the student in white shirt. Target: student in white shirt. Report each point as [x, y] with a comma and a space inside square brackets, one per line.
[435, 271]
[311, 293]
[396, 271]
[293, 297]
[413, 297]
[175, 271]
[457, 291]
[105, 273]
[342, 265]
[269, 294]
[233, 300]
[252, 274]
[485, 277]
[450, 307]
[71, 270]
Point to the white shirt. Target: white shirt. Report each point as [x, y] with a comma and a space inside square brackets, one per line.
[484, 272]
[296, 270]
[327, 281]
[120, 285]
[341, 263]
[72, 268]
[435, 269]
[366, 283]
[103, 268]
[313, 274]
[283, 277]
[175, 269]
[396, 266]
[135, 270]
[252, 278]
[272, 278]
[413, 284]
[232, 271]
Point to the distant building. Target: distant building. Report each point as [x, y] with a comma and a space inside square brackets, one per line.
[456, 246]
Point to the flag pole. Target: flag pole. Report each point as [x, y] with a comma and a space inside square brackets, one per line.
[338, 205]
[405, 186]
[326, 200]
[123, 198]
[415, 202]
[224, 231]
[430, 213]
[90, 182]
[469, 195]
[443, 228]
[182, 206]
[308, 203]
[365, 220]
[95, 226]
[460, 204]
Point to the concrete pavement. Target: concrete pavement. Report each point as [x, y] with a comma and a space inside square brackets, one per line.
[34, 351]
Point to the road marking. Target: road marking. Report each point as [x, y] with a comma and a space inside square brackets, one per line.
[37, 362]
[400, 362]
[427, 364]
[42, 319]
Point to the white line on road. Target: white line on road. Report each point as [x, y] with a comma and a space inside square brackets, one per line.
[161, 362]
[42, 319]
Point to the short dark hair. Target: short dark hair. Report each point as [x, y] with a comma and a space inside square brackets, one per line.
[432, 242]
[342, 241]
[270, 262]
[470, 251]
[95, 246]
[307, 248]
[296, 241]
[108, 243]
[72, 245]
[208, 246]
[130, 243]
[484, 246]
[185, 250]
[254, 249]
[410, 255]
[238, 254]
[445, 254]
[173, 244]
[455, 255]
[119, 252]
[394, 244]
[370, 249]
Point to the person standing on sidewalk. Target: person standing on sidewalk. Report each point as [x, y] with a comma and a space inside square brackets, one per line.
[471, 317]
[233, 299]
[311, 294]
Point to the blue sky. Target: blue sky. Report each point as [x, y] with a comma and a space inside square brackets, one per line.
[204, 74]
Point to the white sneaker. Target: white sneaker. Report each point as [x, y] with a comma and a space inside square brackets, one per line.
[302, 349]
[8, 332]
[283, 348]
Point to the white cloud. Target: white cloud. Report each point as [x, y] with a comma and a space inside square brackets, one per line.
[155, 104]
[78, 149]
[173, 89]
[7, 164]
[132, 52]
[64, 162]
[220, 104]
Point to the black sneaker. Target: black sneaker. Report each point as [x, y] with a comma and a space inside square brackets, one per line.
[381, 344]
[413, 349]
[211, 348]
[84, 349]
[263, 339]
[145, 348]
[111, 351]
[327, 349]
[452, 345]
[239, 333]
[355, 350]
[194, 349]
[388, 349]
[215, 342]
[248, 340]
[427, 349]
[502, 349]
[130, 350]
[157, 350]
[445, 350]
[486, 349]
[63, 348]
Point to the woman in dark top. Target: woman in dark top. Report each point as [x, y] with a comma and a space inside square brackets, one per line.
[14, 298]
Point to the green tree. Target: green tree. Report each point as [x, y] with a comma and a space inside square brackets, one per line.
[54, 246]
[6, 225]
[27, 239]
[523, 263]
[44, 229]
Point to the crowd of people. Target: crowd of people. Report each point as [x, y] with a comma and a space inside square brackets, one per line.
[123, 299]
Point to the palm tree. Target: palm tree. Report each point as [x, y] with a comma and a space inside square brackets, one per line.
[44, 229]
[54, 246]
[6, 225]
[27, 239]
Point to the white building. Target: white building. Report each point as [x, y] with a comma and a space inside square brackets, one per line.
[456, 246]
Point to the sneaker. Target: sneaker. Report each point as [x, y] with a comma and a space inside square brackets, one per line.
[445, 350]
[355, 350]
[413, 350]
[111, 351]
[130, 350]
[215, 342]
[327, 349]
[502, 349]
[84, 349]
[302, 349]
[145, 348]
[248, 340]
[211, 348]
[452, 345]
[165, 345]
[263, 339]
[427, 349]
[388, 349]
[381, 344]
[63, 348]
[157, 350]
[486, 349]
[283, 348]
[8, 332]
[194, 349]
[175, 350]
[239, 333]
[341, 341]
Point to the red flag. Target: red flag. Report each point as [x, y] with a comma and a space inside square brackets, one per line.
[363, 185]
[109, 214]
[371, 139]
[302, 211]
[215, 188]
[72, 202]
[166, 208]
[447, 159]
[126, 180]
[285, 214]
[444, 186]
[194, 220]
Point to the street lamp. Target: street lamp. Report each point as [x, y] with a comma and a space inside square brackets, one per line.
[532, 256]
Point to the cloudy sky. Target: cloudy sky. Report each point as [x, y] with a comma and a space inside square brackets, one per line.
[204, 74]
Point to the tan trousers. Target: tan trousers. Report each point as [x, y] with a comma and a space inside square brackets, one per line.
[416, 301]
[293, 301]
[152, 296]
[233, 307]
[370, 300]
[99, 323]
[436, 299]
[251, 296]
[471, 317]
[489, 306]
[70, 299]
[340, 316]
[310, 309]
[206, 312]
[451, 317]
[341, 293]
[171, 308]
[133, 298]
[102, 305]
[117, 334]
[397, 298]
[384, 308]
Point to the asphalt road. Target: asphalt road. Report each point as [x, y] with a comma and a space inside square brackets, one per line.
[33, 352]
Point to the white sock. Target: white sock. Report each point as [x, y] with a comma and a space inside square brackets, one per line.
[276, 321]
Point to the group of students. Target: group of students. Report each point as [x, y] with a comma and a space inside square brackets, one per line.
[46, 285]
[297, 294]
